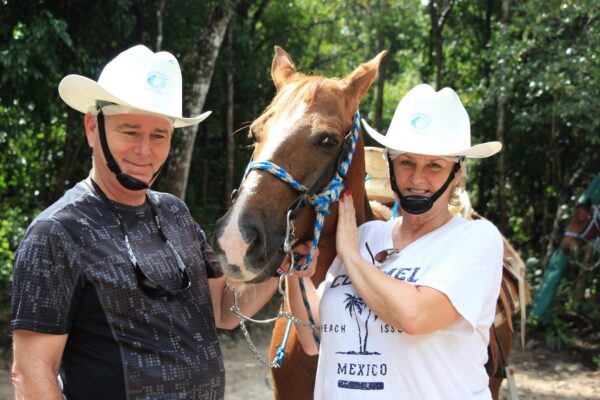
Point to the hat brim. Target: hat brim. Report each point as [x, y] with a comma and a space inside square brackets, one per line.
[81, 93]
[481, 150]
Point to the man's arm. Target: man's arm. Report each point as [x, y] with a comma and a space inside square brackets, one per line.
[36, 365]
[251, 298]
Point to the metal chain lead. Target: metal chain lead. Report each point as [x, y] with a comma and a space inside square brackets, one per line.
[281, 314]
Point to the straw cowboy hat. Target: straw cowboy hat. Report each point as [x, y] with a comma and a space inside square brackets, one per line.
[377, 182]
[432, 123]
[138, 79]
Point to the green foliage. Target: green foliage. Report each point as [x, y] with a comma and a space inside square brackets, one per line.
[29, 156]
[542, 62]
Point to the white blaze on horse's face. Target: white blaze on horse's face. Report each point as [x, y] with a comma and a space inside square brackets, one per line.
[231, 241]
[280, 131]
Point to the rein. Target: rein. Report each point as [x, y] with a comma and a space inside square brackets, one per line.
[320, 202]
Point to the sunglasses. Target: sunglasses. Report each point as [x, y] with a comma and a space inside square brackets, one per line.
[381, 256]
[150, 287]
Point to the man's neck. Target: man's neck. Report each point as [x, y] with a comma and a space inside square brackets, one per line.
[116, 192]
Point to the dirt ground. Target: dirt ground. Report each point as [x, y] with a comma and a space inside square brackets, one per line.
[539, 373]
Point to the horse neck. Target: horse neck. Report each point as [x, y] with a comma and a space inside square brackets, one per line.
[355, 181]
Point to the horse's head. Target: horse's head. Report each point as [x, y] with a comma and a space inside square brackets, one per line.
[301, 131]
[584, 225]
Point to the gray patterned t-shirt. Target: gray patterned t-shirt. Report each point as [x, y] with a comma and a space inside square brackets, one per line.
[72, 275]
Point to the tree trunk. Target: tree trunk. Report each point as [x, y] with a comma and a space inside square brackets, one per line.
[175, 178]
[438, 14]
[230, 124]
[380, 44]
[582, 276]
[160, 10]
[501, 135]
[557, 181]
[439, 48]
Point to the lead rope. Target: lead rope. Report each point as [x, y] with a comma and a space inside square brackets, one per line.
[321, 203]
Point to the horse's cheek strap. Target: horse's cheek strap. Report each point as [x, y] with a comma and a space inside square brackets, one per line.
[298, 205]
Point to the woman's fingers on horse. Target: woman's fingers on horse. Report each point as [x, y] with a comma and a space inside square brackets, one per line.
[302, 249]
[350, 204]
[312, 267]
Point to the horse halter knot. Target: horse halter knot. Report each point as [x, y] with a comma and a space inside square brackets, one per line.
[308, 195]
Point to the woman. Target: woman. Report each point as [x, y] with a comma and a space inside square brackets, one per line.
[406, 307]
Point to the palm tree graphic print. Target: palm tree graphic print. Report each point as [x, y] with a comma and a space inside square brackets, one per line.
[355, 306]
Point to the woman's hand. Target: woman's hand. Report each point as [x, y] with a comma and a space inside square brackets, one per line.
[300, 252]
[346, 239]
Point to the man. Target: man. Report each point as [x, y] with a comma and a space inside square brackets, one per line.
[115, 287]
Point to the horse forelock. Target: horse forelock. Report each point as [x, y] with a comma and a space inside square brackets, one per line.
[300, 88]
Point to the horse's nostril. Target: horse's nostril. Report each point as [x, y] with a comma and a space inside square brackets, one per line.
[253, 232]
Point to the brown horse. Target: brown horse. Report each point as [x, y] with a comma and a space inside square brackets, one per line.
[301, 132]
[584, 227]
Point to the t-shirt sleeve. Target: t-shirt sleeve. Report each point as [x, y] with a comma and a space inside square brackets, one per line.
[469, 269]
[45, 278]
[213, 267]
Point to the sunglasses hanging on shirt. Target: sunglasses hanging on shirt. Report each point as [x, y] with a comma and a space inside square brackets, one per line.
[150, 287]
[381, 256]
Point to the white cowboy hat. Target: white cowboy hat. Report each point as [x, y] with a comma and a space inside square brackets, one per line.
[137, 78]
[432, 123]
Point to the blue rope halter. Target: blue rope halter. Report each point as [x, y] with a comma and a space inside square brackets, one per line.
[321, 201]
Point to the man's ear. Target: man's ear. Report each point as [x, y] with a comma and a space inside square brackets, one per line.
[90, 124]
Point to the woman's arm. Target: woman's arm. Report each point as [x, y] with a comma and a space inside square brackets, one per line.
[409, 308]
[296, 303]
[298, 310]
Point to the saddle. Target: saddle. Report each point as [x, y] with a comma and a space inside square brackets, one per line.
[514, 298]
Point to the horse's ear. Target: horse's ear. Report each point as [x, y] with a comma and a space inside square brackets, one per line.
[358, 82]
[282, 67]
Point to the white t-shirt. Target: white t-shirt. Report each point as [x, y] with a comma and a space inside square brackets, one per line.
[361, 357]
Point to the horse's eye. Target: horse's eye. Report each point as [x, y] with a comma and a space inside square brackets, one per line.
[328, 142]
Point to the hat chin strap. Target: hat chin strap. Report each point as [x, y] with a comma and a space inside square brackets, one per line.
[127, 181]
[414, 204]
